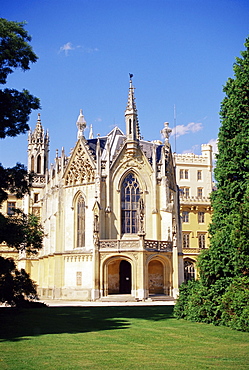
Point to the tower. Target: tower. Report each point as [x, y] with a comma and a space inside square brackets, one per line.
[38, 149]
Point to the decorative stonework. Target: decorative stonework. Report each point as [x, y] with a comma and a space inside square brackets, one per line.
[119, 245]
[78, 258]
[165, 246]
[132, 160]
[81, 170]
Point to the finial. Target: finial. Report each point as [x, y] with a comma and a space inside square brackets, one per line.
[131, 75]
[81, 124]
[166, 131]
[91, 132]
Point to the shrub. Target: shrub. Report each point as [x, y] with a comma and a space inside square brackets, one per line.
[234, 304]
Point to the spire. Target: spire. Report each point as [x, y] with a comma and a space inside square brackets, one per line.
[81, 124]
[131, 116]
[91, 132]
[38, 131]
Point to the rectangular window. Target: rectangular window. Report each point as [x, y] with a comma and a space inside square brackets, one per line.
[201, 241]
[10, 208]
[201, 217]
[78, 278]
[186, 192]
[36, 197]
[199, 175]
[181, 174]
[199, 192]
[185, 216]
[185, 240]
[186, 174]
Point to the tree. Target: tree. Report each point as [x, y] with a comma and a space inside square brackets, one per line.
[225, 265]
[15, 52]
[20, 231]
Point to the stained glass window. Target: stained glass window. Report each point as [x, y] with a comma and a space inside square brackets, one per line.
[80, 222]
[130, 195]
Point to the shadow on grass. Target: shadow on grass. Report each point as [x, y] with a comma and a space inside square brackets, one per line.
[19, 324]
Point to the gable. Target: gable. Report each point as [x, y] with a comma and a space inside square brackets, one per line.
[81, 166]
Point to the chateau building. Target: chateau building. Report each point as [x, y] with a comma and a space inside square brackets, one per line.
[194, 177]
[110, 212]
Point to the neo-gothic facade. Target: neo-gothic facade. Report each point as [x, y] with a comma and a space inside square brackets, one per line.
[110, 212]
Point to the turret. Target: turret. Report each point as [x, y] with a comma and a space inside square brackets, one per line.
[38, 149]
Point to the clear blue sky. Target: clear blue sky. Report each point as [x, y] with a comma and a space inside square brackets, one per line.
[181, 53]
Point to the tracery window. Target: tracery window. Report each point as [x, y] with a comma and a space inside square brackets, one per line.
[201, 241]
[80, 212]
[130, 195]
[189, 270]
[201, 218]
[185, 216]
[199, 192]
[185, 240]
[199, 175]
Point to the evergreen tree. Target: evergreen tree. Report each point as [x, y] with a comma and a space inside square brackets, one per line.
[221, 294]
[228, 255]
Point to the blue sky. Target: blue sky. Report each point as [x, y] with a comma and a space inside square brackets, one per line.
[181, 53]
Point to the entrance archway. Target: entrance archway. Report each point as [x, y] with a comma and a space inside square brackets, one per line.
[156, 277]
[119, 277]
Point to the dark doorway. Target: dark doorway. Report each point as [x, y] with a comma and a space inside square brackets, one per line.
[125, 277]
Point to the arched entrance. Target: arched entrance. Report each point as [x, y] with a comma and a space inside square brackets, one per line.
[119, 277]
[124, 277]
[156, 277]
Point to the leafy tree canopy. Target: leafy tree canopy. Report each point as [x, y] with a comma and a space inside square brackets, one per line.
[221, 294]
[23, 232]
[15, 52]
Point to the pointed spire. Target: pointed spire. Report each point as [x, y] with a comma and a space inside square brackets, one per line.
[81, 124]
[91, 132]
[131, 116]
[38, 128]
[131, 104]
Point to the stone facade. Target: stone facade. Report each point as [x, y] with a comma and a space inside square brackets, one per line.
[110, 212]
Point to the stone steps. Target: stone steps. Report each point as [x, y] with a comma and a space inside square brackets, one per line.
[130, 298]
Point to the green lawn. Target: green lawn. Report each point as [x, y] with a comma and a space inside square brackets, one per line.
[146, 337]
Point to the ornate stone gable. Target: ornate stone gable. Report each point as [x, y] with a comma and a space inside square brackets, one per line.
[126, 159]
[81, 166]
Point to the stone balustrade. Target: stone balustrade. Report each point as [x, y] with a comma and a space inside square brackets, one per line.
[127, 245]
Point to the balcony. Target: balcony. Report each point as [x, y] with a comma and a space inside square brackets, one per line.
[113, 245]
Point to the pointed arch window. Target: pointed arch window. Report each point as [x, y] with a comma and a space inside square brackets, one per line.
[189, 270]
[32, 163]
[39, 164]
[130, 195]
[80, 210]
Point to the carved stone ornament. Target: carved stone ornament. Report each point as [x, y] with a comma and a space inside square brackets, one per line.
[81, 171]
[130, 160]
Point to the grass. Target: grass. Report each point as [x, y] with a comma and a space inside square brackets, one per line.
[145, 337]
